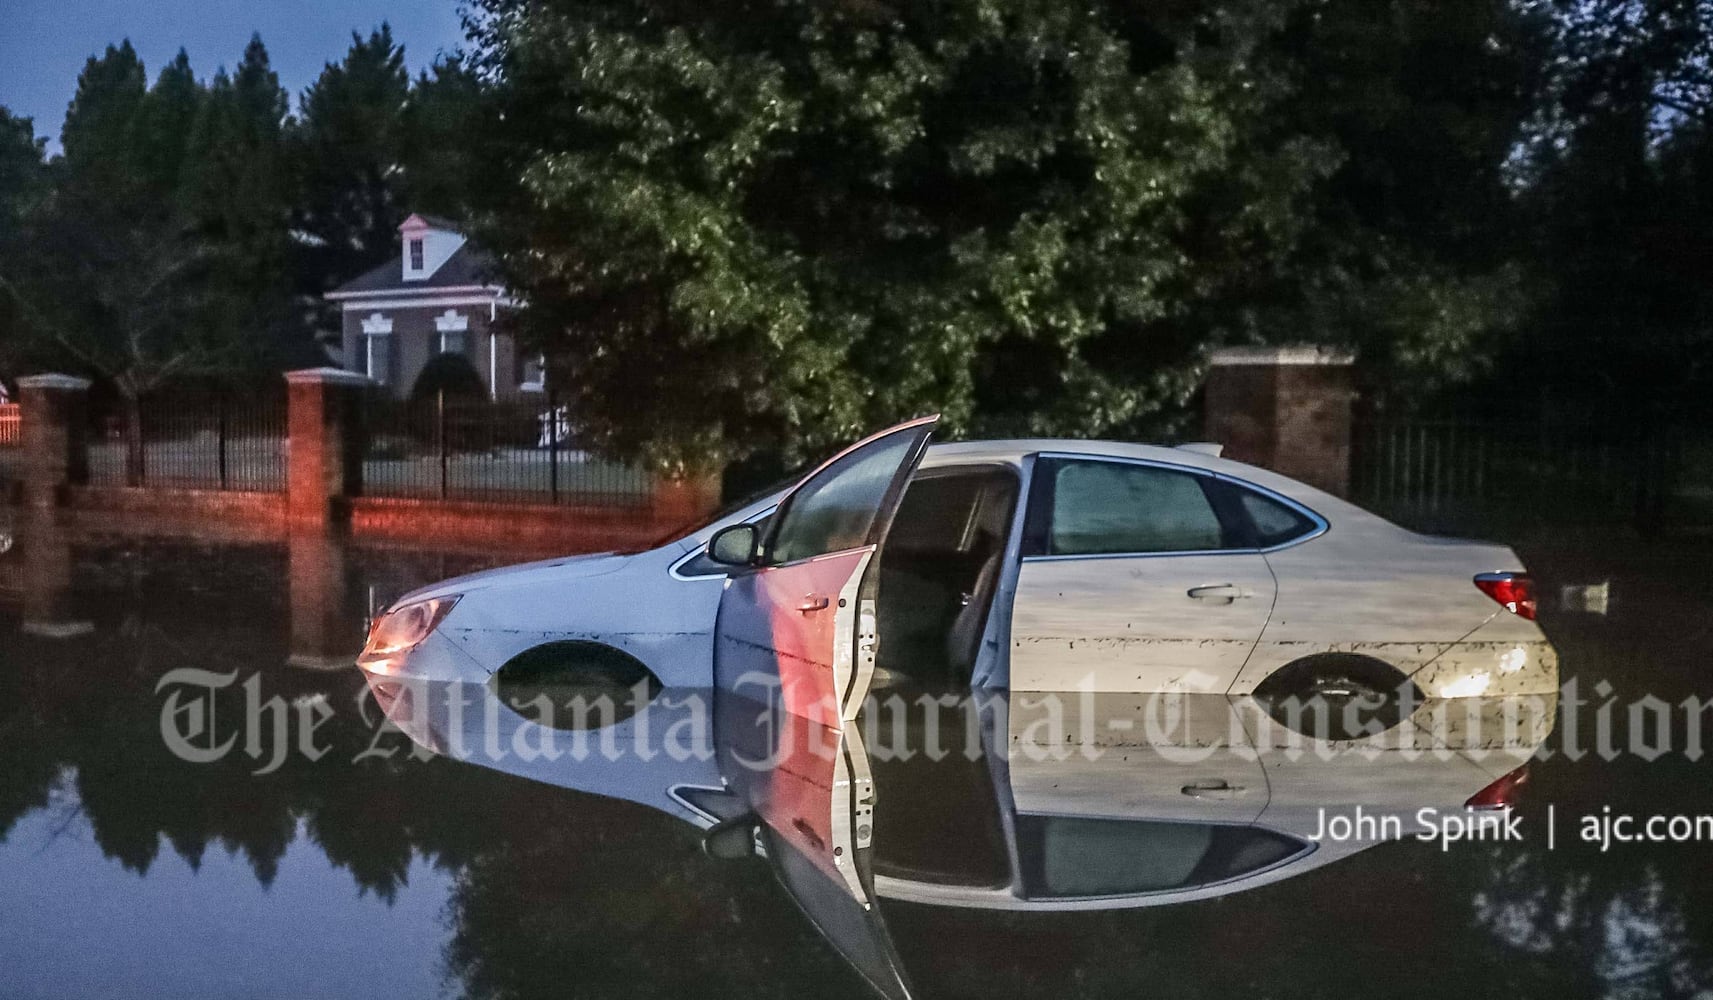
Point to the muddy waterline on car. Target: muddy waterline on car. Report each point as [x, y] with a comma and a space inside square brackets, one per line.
[300, 850]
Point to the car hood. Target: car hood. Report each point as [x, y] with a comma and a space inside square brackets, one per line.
[555, 570]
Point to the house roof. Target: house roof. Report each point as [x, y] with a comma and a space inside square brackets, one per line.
[433, 222]
[467, 267]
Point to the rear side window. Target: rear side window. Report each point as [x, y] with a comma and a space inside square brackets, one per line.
[1098, 508]
[1071, 857]
[1274, 523]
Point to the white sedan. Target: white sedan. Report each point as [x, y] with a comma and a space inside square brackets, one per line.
[1029, 565]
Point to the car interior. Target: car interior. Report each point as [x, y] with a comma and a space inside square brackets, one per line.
[939, 569]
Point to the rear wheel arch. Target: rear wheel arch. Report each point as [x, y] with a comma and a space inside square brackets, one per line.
[1310, 695]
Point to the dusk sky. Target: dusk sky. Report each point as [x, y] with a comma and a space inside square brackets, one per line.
[44, 43]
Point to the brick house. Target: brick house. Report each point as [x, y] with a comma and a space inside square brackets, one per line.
[436, 298]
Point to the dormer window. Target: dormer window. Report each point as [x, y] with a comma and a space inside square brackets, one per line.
[416, 255]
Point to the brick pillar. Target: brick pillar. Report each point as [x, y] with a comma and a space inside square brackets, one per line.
[324, 636]
[54, 410]
[48, 610]
[685, 500]
[1284, 408]
[324, 418]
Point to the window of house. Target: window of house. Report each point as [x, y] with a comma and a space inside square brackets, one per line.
[532, 374]
[375, 354]
[416, 255]
[1100, 507]
[377, 357]
[451, 327]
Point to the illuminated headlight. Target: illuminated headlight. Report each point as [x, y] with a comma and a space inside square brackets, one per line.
[401, 629]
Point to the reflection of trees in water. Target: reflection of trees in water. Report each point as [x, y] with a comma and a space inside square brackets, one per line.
[553, 889]
[605, 897]
[89, 711]
[1636, 921]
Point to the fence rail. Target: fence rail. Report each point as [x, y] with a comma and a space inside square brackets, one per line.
[197, 440]
[1429, 473]
[448, 448]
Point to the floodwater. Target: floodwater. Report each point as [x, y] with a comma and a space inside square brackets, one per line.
[380, 869]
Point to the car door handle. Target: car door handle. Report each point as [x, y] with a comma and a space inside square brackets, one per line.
[813, 603]
[1216, 788]
[1226, 592]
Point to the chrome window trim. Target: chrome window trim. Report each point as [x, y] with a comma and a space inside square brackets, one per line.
[1321, 525]
[678, 563]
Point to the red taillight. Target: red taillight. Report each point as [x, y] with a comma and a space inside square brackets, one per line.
[1501, 794]
[1514, 591]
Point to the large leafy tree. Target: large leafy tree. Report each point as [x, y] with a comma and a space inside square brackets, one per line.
[790, 221]
[787, 221]
[1620, 185]
[1410, 254]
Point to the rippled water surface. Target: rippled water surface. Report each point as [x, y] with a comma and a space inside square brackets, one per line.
[379, 870]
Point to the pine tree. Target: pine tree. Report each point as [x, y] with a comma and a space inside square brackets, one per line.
[348, 148]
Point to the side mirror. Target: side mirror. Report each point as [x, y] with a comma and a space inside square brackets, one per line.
[734, 546]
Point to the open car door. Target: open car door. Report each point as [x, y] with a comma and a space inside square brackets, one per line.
[803, 616]
[809, 789]
[794, 649]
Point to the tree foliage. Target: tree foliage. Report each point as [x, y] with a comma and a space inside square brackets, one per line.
[791, 221]
[1618, 169]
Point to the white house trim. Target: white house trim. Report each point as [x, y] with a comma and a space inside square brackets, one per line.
[363, 305]
[381, 293]
[377, 325]
[452, 321]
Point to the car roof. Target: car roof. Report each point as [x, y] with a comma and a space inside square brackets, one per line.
[1013, 451]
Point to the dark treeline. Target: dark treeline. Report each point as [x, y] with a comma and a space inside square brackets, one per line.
[742, 227]
[191, 223]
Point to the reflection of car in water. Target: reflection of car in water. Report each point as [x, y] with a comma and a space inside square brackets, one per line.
[1024, 576]
[1027, 565]
[992, 800]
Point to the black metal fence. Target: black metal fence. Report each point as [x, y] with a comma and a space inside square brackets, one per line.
[1439, 473]
[451, 448]
[212, 439]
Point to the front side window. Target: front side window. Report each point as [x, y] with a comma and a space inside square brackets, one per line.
[1097, 507]
[836, 510]
[416, 255]
[452, 342]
